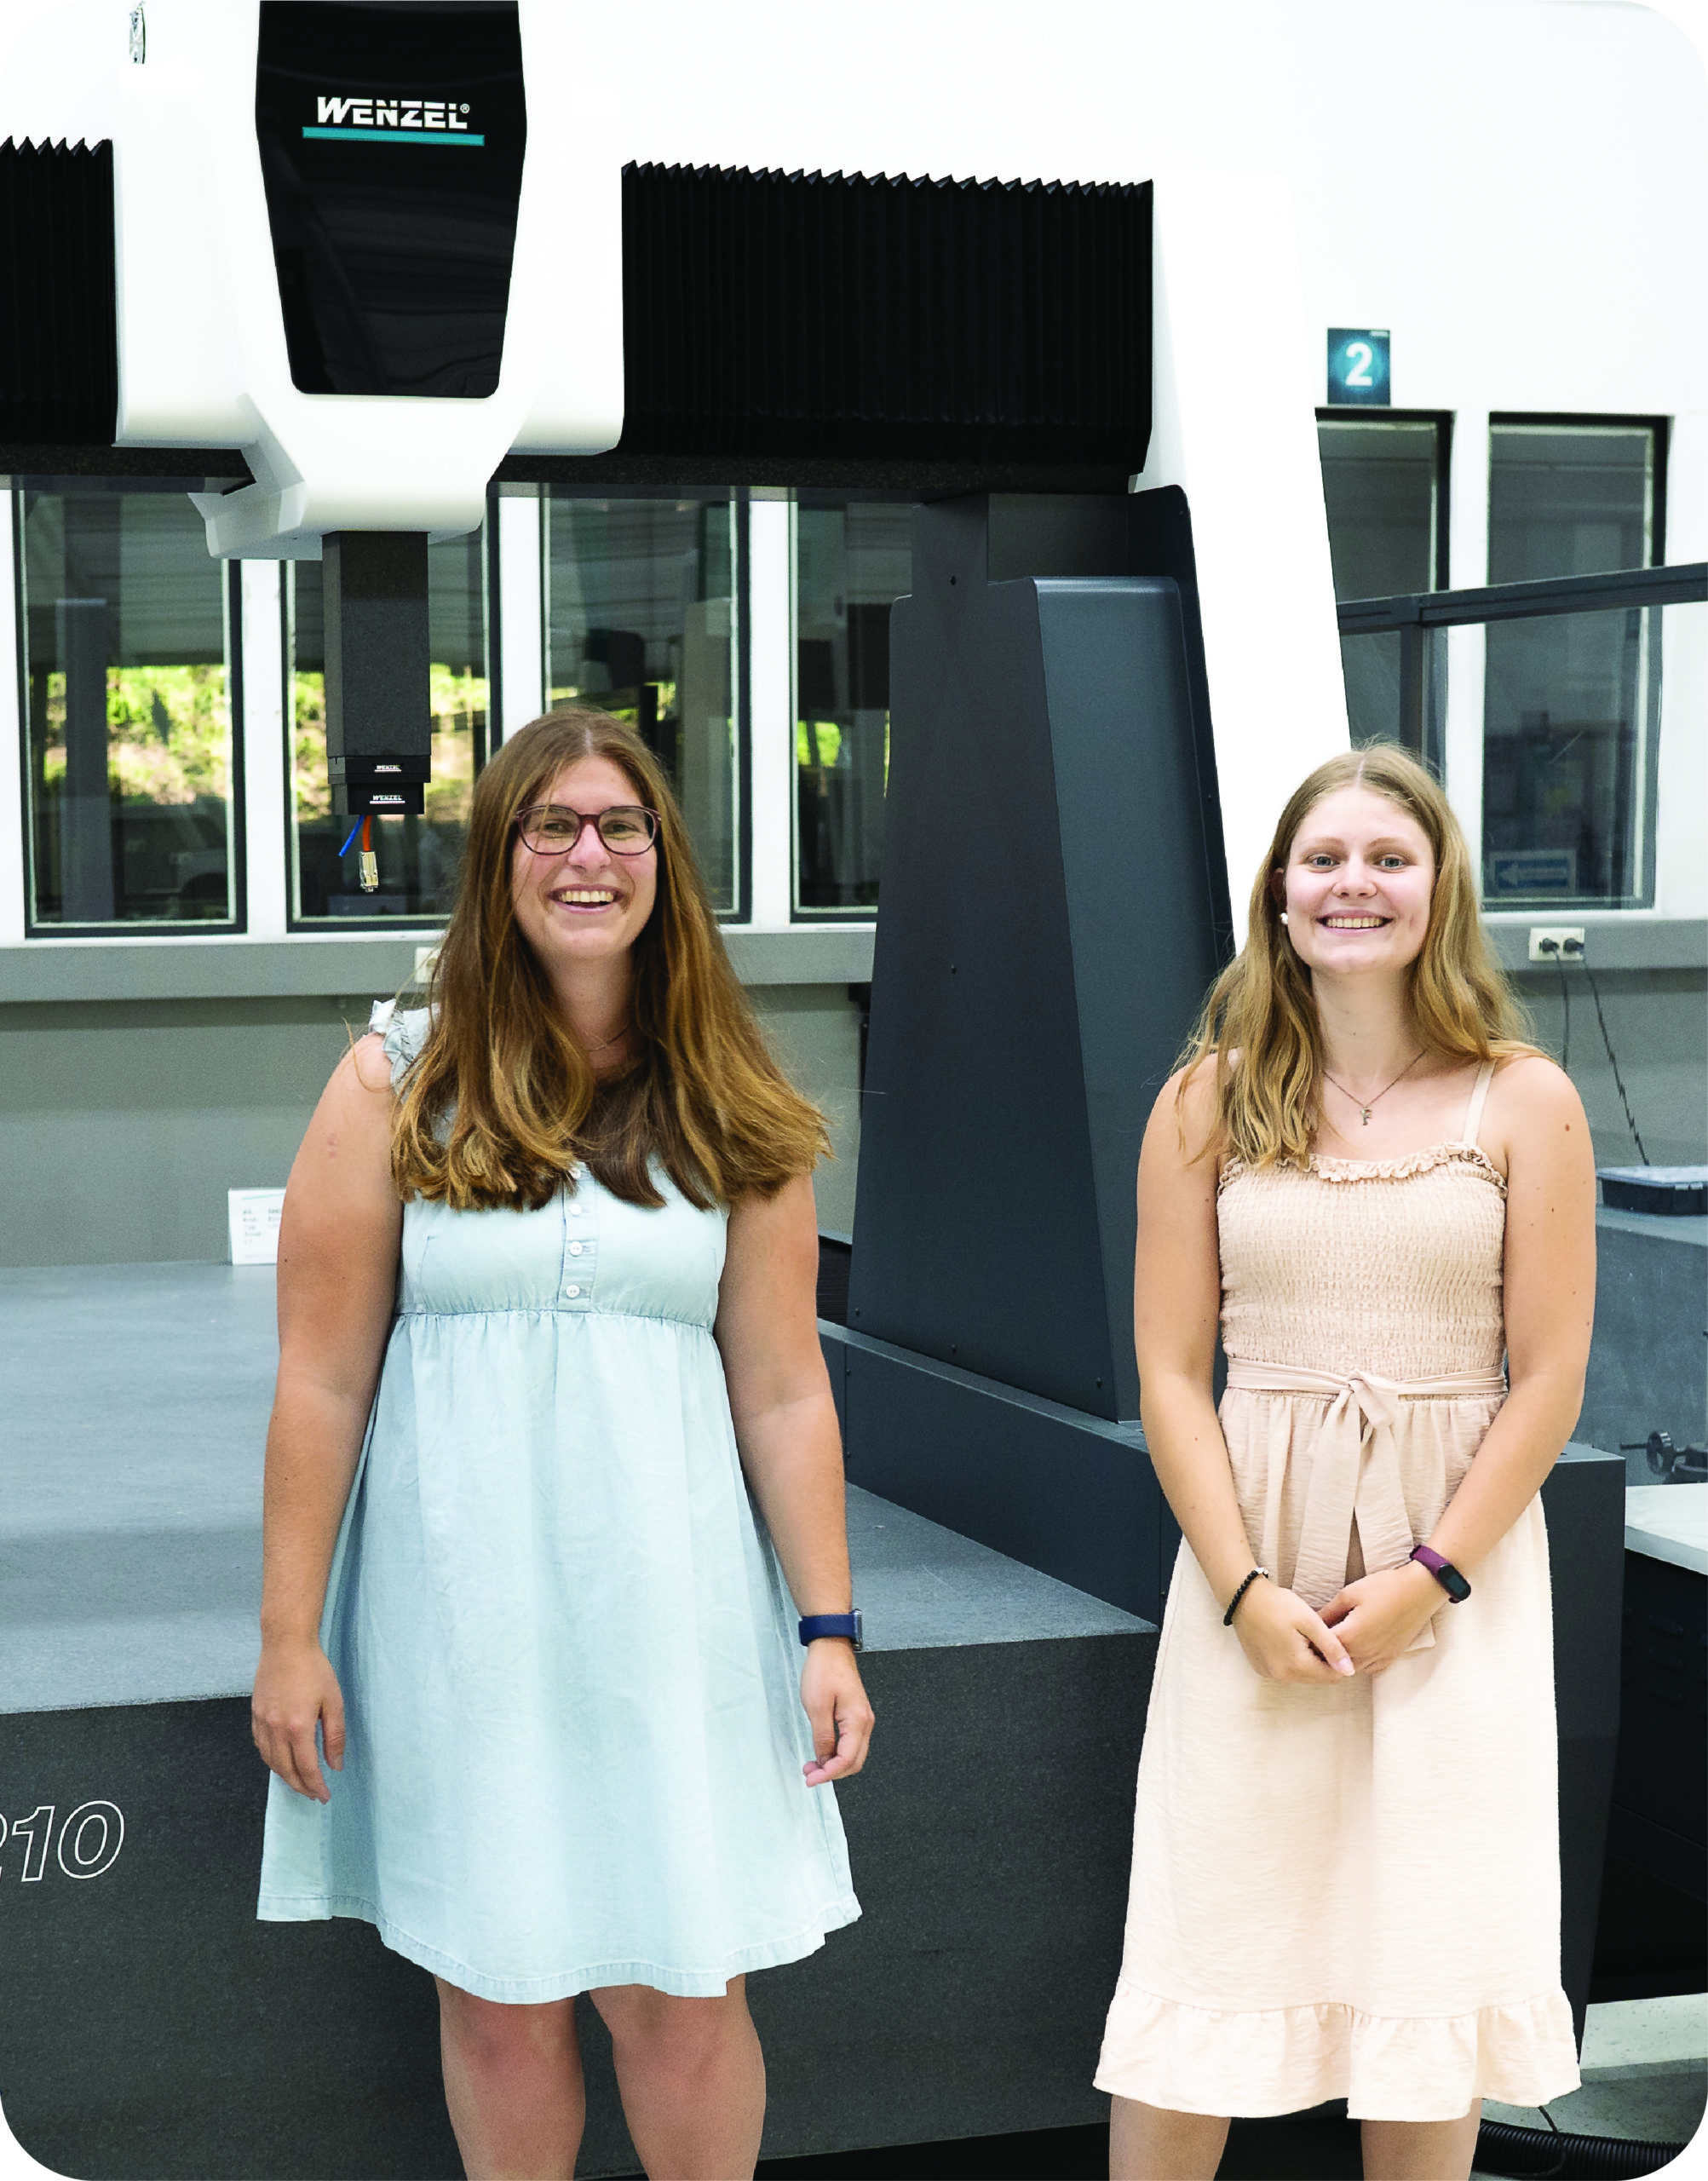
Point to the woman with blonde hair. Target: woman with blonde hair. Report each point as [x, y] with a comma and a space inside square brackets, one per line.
[1346, 1864]
[551, 1412]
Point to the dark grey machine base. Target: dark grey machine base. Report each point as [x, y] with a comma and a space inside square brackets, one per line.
[149, 2027]
[1066, 1492]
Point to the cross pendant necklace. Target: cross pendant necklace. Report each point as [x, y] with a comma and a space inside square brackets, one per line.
[1363, 1108]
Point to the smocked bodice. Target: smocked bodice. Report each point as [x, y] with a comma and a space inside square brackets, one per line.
[1391, 1266]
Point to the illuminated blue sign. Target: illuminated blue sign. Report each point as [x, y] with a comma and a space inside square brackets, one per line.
[1358, 367]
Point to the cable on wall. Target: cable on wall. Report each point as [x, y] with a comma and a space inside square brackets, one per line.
[1613, 1059]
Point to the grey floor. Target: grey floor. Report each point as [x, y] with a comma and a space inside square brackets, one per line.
[131, 1469]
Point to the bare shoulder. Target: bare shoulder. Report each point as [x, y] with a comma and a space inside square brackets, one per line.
[352, 1121]
[1181, 1126]
[1530, 1091]
[1536, 1127]
[1183, 1116]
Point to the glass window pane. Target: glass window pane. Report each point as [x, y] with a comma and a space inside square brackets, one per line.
[1569, 701]
[852, 561]
[1379, 483]
[1379, 706]
[128, 647]
[1567, 704]
[1568, 500]
[419, 856]
[641, 622]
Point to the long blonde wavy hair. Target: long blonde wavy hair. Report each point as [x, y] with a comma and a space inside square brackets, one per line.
[501, 1099]
[1259, 1024]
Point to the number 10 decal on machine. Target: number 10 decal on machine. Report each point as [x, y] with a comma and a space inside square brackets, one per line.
[90, 1839]
[1358, 367]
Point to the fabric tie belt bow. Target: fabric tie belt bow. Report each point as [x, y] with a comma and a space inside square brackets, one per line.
[1354, 1469]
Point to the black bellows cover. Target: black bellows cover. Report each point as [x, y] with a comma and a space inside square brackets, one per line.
[59, 328]
[858, 316]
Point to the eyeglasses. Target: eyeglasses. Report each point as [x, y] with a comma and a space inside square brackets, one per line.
[550, 828]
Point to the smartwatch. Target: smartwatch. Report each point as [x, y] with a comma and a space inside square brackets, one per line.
[1445, 1574]
[833, 1624]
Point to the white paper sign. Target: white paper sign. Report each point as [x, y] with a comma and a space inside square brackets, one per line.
[254, 1216]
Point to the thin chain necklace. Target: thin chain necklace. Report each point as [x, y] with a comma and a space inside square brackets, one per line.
[1364, 1105]
[590, 1050]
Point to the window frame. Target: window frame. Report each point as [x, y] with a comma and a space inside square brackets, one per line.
[1445, 421]
[860, 916]
[1599, 421]
[236, 925]
[549, 486]
[1651, 672]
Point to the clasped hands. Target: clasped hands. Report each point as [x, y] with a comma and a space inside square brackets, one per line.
[1364, 1627]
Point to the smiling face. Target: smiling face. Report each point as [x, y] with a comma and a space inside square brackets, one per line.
[1357, 885]
[583, 904]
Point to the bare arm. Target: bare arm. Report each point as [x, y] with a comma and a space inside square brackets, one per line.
[1536, 1118]
[785, 1428]
[337, 1274]
[1176, 1304]
[1536, 1123]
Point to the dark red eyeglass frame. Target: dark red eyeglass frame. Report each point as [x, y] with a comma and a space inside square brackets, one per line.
[583, 820]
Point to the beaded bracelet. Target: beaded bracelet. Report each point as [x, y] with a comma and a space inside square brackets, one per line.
[1228, 1617]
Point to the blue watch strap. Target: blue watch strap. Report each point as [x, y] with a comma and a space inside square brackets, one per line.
[833, 1624]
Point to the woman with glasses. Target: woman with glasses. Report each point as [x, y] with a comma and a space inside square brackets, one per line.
[1346, 1869]
[553, 1475]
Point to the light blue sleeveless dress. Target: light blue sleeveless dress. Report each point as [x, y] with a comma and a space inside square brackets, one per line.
[567, 1652]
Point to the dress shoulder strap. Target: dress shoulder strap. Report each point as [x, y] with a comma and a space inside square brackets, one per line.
[1485, 1076]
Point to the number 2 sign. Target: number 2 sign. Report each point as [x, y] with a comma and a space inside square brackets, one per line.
[1358, 367]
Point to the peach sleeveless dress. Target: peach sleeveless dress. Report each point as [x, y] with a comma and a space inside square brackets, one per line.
[1353, 1890]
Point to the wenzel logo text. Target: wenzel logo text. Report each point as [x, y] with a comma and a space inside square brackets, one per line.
[391, 113]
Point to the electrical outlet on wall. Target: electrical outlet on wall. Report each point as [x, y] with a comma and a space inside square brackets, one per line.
[1549, 942]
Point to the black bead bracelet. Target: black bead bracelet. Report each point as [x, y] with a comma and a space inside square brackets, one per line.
[1232, 1603]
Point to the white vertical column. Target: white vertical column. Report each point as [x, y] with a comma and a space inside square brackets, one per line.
[522, 626]
[1467, 569]
[13, 863]
[770, 607]
[266, 812]
[1243, 446]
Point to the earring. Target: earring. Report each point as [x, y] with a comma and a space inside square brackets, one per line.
[1284, 916]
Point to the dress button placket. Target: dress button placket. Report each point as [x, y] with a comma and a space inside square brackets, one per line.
[580, 1243]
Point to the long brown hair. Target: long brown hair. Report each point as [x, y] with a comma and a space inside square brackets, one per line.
[501, 1099]
[1261, 1009]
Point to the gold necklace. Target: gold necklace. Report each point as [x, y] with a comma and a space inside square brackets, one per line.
[1363, 1105]
[590, 1050]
